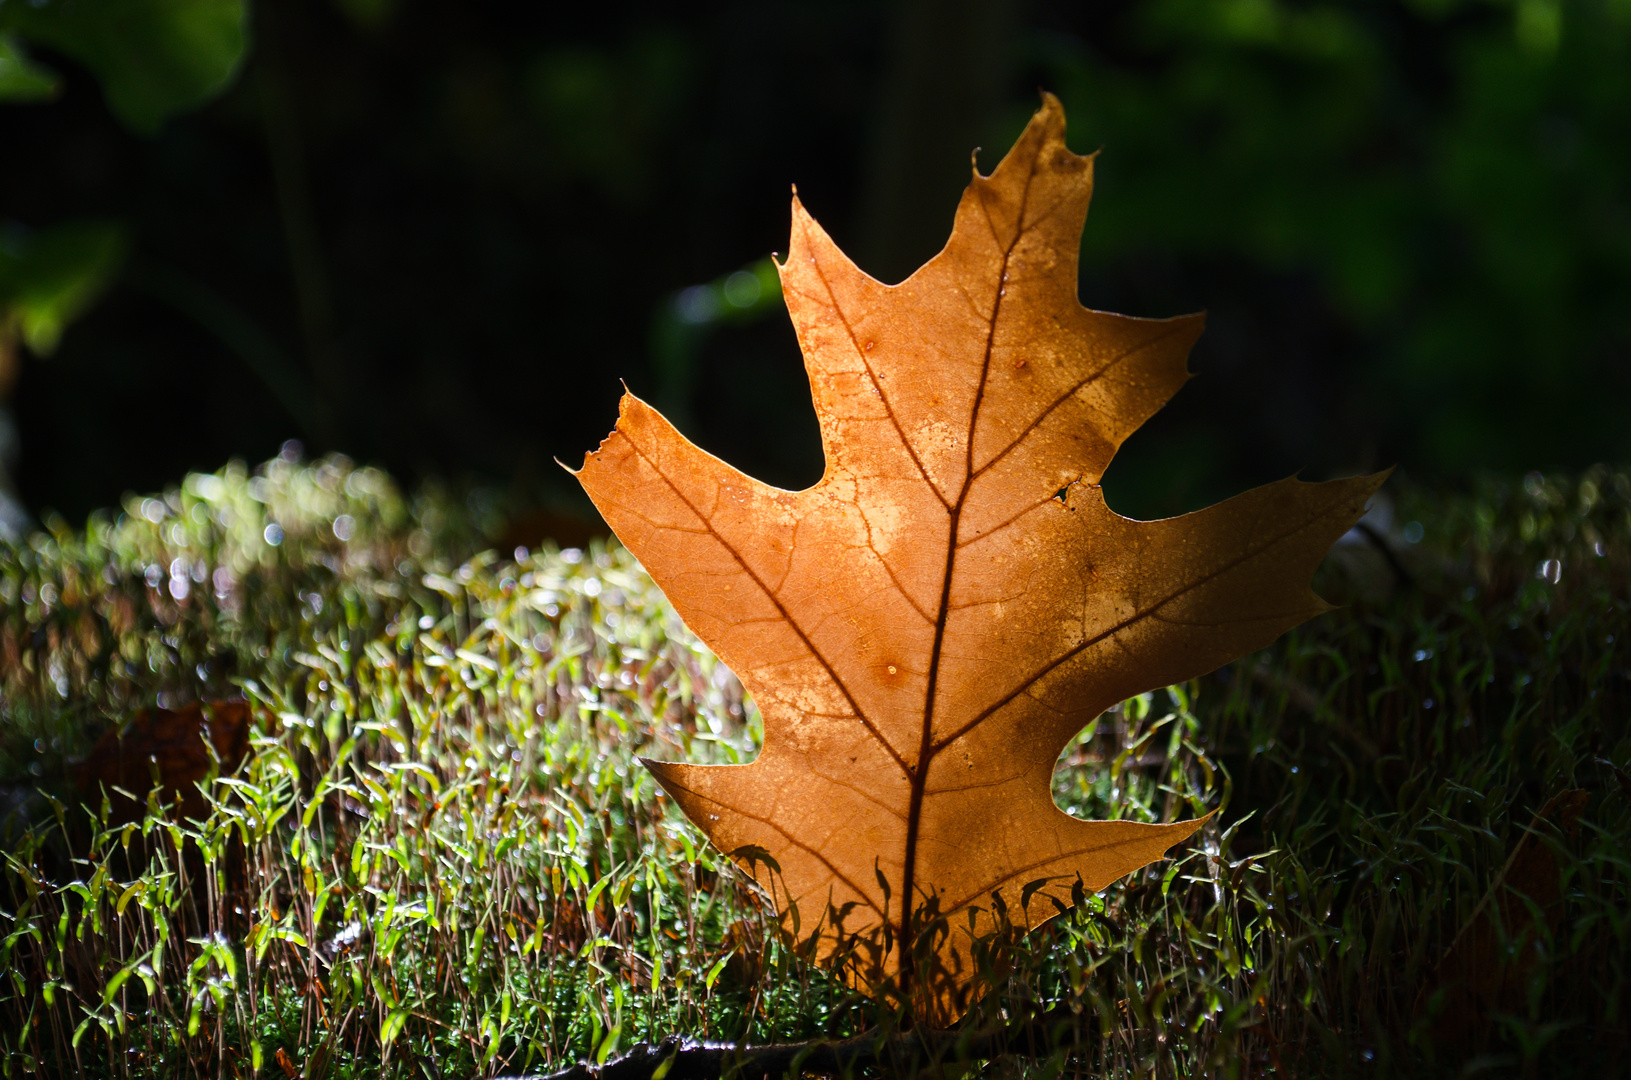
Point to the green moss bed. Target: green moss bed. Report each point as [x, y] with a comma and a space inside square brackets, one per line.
[432, 851]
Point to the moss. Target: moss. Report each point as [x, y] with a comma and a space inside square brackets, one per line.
[440, 847]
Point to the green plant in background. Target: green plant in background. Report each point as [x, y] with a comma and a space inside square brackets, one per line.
[683, 322]
[21, 79]
[154, 58]
[440, 854]
[1452, 172]
[1410, 215]
[48, 278]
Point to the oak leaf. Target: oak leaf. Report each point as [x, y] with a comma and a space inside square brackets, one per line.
[927, 626]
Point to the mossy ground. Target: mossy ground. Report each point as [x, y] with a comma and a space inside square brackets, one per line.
[439, 856]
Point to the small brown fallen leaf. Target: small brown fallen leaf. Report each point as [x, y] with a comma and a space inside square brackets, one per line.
[927, 627]
[123, 758]
[1486, 966]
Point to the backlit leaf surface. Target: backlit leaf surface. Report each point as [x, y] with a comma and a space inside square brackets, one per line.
[926, 627]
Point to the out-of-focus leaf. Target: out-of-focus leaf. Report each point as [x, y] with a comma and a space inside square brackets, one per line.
[368, 14]
[121, 761]
[48, 278]
[605, 110]
[684, 320]
[1483, 974]
[154, 58]
[20, 78]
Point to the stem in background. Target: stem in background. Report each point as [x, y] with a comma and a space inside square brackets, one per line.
[944, 86]
[235, 329]
[905, 1051]
[300, 234]
[1380, 543]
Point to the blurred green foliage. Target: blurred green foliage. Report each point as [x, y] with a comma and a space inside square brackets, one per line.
[21, 79]
[601, 107]
[684, 326]
[48, 278]
[153, 57]
[1408, 220]
[1455, 174]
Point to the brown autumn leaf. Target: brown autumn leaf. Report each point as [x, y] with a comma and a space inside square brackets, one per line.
[1486, 967]
[927, 627]
[172, 742]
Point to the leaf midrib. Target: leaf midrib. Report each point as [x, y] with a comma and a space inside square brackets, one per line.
[919, 774]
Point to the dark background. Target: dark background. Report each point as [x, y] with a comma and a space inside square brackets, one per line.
[434, 234]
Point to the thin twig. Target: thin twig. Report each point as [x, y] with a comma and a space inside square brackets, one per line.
[906, 1051]
[1380, 543]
